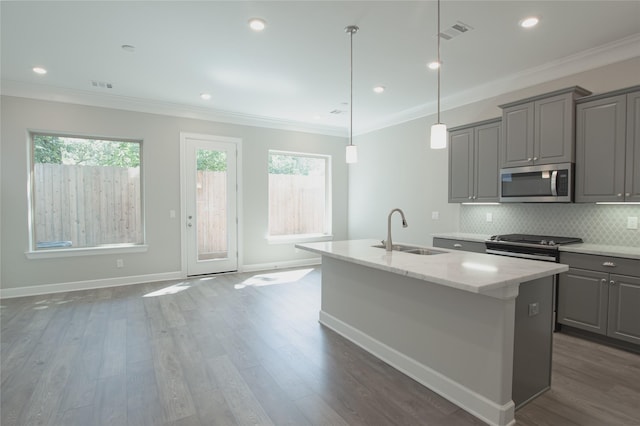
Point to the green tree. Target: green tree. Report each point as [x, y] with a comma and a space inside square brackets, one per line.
[280, 164]
[212, 161]
[87, 152]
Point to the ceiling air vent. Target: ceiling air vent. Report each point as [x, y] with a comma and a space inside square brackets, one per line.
[455, 30]
[340, 109]
[101, 84]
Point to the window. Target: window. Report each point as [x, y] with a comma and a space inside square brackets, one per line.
[85, 193]
[299, 195]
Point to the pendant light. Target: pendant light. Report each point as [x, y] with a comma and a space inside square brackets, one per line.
[352, 150]
[439, 130]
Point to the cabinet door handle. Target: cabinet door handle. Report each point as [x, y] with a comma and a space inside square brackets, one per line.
[529, 159]
[535, 158]
[627, 194]
[609, 264]
[603, 281]
[619, 194]
[612, 282]
[457, 245]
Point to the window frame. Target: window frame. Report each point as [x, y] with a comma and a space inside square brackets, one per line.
[116, 248]
[327, 234]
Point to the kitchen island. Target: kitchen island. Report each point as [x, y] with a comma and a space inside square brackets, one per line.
[448, 320]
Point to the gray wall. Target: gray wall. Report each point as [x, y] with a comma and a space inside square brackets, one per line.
[161, 136]
[397, 169]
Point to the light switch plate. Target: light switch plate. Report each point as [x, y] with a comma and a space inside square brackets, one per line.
[534, 309]
[435, 215]
[632, 222]
[489, 217]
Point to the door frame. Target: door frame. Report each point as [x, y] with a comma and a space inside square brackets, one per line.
[184, 136]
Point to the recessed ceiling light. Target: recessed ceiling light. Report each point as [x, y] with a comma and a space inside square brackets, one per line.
[379, 89]
[205, 96]
[257, 24]
[529, 22]
[128, 48]
[434, 65]
[317, 117]
[39, 70]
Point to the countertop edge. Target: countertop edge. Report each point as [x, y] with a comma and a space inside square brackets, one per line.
[503, 289]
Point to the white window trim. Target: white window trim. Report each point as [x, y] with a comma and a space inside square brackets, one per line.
[86, 251]
[327, 235]
[299, 238]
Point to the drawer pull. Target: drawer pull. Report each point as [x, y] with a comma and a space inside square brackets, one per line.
[457, 245]
[609, 264]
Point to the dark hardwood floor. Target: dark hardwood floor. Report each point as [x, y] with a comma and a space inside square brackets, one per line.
[246, 349]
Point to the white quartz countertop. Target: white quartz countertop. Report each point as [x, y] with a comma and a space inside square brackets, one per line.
[480, 273]
[603, 250]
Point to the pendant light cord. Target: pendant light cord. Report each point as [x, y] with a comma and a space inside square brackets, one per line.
[351, 31]
[439, 62]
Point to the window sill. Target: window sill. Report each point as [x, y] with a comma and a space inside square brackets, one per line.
[88, 251]
[304, 238]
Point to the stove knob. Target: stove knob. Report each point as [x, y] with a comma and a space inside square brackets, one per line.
[552, 243]
[544, 242]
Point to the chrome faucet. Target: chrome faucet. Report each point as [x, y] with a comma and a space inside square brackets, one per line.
[388, 244]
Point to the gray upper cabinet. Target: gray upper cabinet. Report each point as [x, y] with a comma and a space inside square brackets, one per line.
[540, 130]
[608, 147]
[473, 162]
[632, 168]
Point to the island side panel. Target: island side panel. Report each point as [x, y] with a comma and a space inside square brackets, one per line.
[463, 341]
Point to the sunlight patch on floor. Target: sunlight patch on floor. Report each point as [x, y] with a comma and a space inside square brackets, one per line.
[273, 278]
[172, 289]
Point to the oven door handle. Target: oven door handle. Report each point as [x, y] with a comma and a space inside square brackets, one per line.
[521, 255]
[554, 183]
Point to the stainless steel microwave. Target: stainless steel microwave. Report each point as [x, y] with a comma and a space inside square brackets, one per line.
[547, 183]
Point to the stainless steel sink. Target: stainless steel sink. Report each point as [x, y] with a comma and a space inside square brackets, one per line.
[411, 249]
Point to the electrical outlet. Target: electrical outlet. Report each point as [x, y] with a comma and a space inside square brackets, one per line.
[632, 222]
[119, 263]
[534, 309]
[435, 215]
[489, 217]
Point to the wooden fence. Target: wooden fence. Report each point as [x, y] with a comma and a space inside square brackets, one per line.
[87, 205]
[296, 204]
[95, 205]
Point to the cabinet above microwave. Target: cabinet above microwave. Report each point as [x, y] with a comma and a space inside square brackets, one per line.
[540, 130]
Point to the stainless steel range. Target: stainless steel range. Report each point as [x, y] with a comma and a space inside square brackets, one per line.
[536, 247]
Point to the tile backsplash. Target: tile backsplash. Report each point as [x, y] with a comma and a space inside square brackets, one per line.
[595, 224]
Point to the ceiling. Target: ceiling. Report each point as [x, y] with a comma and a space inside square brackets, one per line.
[296, 71]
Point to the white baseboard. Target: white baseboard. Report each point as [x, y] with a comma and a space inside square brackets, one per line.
[35, 290]
[282, 265]
[474, 403]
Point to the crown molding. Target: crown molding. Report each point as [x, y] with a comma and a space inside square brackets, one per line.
[618, 51]
[82, 97]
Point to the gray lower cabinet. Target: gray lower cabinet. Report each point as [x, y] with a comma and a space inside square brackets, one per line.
[463, 245]
[608, 147]
[599, 301]
[473, 162]
[540, 130]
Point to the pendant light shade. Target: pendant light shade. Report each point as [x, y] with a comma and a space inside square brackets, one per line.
[438, 130]
[352, 154]
[352, 150]
[438, 136]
